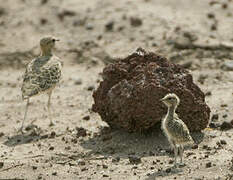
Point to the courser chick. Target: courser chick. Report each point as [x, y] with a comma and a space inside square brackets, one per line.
[175, 129]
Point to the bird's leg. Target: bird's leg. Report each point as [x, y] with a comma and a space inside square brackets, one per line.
[175, 153]
[49, 110]
[25, 115]
[181, 153]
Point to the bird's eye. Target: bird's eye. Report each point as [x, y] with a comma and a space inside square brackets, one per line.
[53, 40]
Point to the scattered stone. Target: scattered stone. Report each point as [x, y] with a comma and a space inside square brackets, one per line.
[1, 164]
[224, 5]
[84, 169]
[87, 117]
[187, 64]
[214, 125]
[109, 26]
[51, 148]
[105, 175]
[134, 160]
[2, 11]
[208, 93]
[116, 159]
[208, 165]
[39, 176]
[214, 117]
[1, 134]
[53, 134]
[168, 170]
[65, 13]
[223, 142]
[81, 132]
[135, 21]
[138, 82]
[44, 136]
[43, 2]
[202, 78]
[227, 65]
[54, 173]
[213, 27]
[105, 166]
[91, 88]
[211, 15]
[206, 147]
[171, 161]
[226, 126]
[67, 148]
[74, 140]
[89, 26]
[43, 21]
[81, 162]
[78, 82]
[224, 115]
[151, 153]
[34, 167]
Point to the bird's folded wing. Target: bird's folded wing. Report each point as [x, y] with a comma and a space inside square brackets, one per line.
[41, 77]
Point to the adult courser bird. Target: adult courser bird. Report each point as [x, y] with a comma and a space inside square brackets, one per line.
[42, 75]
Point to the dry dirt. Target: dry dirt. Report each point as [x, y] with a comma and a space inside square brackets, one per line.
[197, 34]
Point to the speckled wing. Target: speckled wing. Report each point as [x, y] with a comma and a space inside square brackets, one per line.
[180, 131]
[42, 74]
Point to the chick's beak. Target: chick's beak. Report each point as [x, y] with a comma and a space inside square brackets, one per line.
[162, 100]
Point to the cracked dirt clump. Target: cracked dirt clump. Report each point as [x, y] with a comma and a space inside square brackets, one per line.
[129, 95]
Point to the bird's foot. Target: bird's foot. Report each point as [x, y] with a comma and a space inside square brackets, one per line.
[181, 164]
[20, 130]
[51, 124]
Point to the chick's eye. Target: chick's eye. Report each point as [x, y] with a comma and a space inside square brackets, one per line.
[53, 40]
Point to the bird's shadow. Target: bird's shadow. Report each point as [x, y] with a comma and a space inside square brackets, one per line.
[118, 143]
[33, 133]
[163, 173]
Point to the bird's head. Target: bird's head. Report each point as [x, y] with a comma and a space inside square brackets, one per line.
[171, 99]
[47, 44]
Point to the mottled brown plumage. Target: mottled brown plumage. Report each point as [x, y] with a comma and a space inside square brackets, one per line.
[42, 74]
[175, 129]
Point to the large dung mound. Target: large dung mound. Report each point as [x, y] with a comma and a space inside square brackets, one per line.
[129, 95]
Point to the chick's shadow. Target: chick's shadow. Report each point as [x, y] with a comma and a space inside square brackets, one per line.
[119, 143]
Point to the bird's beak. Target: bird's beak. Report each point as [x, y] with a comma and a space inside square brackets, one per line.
[56, 39]
[162, 100]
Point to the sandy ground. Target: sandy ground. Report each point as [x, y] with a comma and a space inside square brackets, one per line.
[80, 145]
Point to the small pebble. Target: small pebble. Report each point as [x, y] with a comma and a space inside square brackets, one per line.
[168, 170]
[208, 165]
[81, 163]
[109, 26]
[116, 159]
[51, 148]
[227, 65]
[90, 88]
[1, 164]
[54, 173]
[134, 160]
[78, 82]
[223, 142]
[226, 125]
[135, 21]
[87, 117]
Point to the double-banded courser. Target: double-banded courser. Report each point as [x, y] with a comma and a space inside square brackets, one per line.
[42, 75]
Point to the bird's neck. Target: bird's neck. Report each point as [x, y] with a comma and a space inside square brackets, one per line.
[171, 112]
[46, 52]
